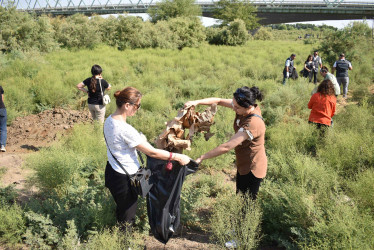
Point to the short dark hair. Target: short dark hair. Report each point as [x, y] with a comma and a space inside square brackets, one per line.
[293, 55]
[342, 55]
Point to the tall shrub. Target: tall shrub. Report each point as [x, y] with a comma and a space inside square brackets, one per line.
[77, 31]
[189, 32]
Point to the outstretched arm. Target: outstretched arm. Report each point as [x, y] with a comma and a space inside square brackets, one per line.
[225, 147]
[149, 150]
[210, 101]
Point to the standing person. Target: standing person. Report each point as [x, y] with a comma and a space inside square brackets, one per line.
[317, 61]
[342, 66]
[96, 87]
[122, 142]
[3, 120]
[288, 68]
[322, 105]
[248, 141]
[308, 68]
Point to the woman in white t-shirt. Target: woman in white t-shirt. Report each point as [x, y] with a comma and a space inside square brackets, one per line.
[122, 141]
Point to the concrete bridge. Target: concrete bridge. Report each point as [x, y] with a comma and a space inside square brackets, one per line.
[270, 11]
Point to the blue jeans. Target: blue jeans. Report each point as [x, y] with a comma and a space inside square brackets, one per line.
[3, 131]
[345, 82]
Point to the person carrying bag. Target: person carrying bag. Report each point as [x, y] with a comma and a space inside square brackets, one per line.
[96, 100]
[122, 169]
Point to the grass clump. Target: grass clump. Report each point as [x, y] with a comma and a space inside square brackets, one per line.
[237, 218]
[13, 224]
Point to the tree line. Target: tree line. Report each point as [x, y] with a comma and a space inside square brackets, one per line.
[173, 24]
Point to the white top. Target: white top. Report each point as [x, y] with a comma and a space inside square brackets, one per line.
[288, 63]
[317, 60]
[122, 138]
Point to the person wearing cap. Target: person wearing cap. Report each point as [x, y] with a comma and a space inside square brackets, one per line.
[288, 68]
[342, 66]
[317, 61]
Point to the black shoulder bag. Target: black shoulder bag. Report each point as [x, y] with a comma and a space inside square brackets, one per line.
[141, 180]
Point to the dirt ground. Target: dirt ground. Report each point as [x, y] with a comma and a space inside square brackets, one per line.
[29, 134]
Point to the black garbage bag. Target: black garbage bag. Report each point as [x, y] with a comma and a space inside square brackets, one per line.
[163, 199]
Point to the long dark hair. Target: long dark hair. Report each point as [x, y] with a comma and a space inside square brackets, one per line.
[307, 59]
[246, 97]
[95, 70]
[326, 88]
[127, 95]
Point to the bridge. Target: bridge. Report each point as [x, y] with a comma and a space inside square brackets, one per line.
[270, 11]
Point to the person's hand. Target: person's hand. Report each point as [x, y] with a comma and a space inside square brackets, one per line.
[190, 103]
[183, 159]
[288, 74]
[198, 160]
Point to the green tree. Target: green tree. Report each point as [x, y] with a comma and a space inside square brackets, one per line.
[167, 9]
[229, 10]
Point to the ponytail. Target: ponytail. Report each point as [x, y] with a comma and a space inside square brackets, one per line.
[93, 84]
[95, 70]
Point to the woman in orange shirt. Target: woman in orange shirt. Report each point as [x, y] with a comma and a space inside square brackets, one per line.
[322, 105]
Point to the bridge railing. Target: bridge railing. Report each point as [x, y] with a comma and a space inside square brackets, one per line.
[38, 5]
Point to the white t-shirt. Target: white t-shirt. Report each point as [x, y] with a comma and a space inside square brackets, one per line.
[122, 138]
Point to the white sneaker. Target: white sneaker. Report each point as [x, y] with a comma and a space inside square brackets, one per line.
[231, 244]
[2, 149]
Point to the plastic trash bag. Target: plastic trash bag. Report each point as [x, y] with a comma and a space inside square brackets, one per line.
[163, 200]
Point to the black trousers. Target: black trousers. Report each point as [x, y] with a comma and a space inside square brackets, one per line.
[315, 73]
[126, 200]
[248, 184]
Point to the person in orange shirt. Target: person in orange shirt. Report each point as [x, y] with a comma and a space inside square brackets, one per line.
[322, 105]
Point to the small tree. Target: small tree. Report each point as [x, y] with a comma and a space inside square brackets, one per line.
[167, 9]
[229, 10]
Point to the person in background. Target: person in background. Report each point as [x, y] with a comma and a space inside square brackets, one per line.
[317, 61]
[3, 120]
[308, 68]
[342, 66]
[94, 85]
[122, 142]
[248, 140]
[322, 105]
[288, 68]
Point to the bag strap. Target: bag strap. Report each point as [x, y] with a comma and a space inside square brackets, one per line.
[256, 116]
[102, 95]
[106, 142]
[119, 163]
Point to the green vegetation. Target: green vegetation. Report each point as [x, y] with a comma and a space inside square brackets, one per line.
[318, 192]
[167, 9]
[229, 10]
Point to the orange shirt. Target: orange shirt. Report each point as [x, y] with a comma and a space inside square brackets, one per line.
[322, 108]
[250, 154]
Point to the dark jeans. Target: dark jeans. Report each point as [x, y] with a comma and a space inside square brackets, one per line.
[248, 184]
[126, 200]
[315, 73]
[3, 128]
[321, 127]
